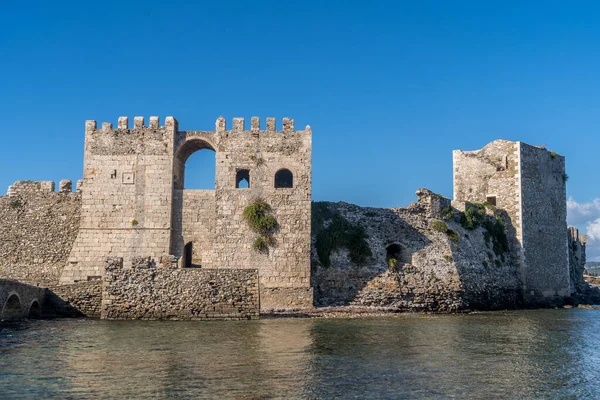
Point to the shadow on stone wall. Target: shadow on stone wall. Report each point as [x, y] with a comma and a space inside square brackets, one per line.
[341, 283]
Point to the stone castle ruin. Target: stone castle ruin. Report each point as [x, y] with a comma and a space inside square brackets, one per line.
[529, 183]
[232, 251]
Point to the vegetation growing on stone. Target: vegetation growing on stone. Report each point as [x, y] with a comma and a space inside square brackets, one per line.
[494, 234]
[339, 233]
[260, 220]
[473, 216]
[392, 264]
[262, 243]
[134, 222]
[495, 229]
[15, 204]
[440, 226]
[553, 154]
[448, 212]
[452, 235]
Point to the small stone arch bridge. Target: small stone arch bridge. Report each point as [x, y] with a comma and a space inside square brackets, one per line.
[19, 300]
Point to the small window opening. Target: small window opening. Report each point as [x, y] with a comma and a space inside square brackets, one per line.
[491, 200]
[242, 179]
[284, 179]
[113, 175]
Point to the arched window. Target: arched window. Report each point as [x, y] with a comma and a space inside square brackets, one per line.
[195, 166]
[284, 179]
[242, 179]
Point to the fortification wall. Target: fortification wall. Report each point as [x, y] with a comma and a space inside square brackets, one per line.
[437, 269]
[37, 229]
[544, 199]
[181, 294]
[82, 299]
[194, 222]
[126, 195]
[262, 153]
[577, 260]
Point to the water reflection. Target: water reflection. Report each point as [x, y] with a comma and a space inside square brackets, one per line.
[525, 354]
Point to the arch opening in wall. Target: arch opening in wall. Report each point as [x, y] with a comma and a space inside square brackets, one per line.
[284, 179]
[12, 308]
[35, 312]
[242, 179]
[195, 166]
[399, 253]
[188, 255]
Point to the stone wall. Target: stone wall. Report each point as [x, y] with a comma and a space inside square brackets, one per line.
[37, 229]
[577, 260]
[82, 299]
[528, 183]
[261, 152]
[194, 224]
[179, 294]
[544, 210]
[492, 173]
[126, 195]
[436, 271]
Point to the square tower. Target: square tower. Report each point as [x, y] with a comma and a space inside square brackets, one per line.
[529, 184]
[126, 195]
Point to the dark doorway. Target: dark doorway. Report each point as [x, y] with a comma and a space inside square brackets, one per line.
[393, 254]
[188, 253]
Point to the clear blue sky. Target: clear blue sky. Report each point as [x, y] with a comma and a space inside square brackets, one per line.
[389, 88]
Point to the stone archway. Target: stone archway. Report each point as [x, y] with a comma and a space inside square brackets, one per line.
[182, 154]
[12, 308]
[35, 312]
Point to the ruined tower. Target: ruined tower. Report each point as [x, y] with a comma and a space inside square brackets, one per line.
[135, 202]
[529, 183]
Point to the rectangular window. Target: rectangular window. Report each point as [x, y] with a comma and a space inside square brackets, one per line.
[491, 200]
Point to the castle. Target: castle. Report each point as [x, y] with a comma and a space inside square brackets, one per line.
[132, 210]
[134, 201]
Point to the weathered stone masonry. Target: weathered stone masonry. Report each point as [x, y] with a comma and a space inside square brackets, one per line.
[183, 294]
[529, 183]
[134, 202]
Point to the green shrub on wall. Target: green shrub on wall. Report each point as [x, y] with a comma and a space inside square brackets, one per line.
[339, 233]
[260, 220]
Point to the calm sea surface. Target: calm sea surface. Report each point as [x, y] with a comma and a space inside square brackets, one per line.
[524, 354]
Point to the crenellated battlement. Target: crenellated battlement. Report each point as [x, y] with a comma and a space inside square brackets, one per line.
[32, 187]
[171, 124]
[239, 125]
